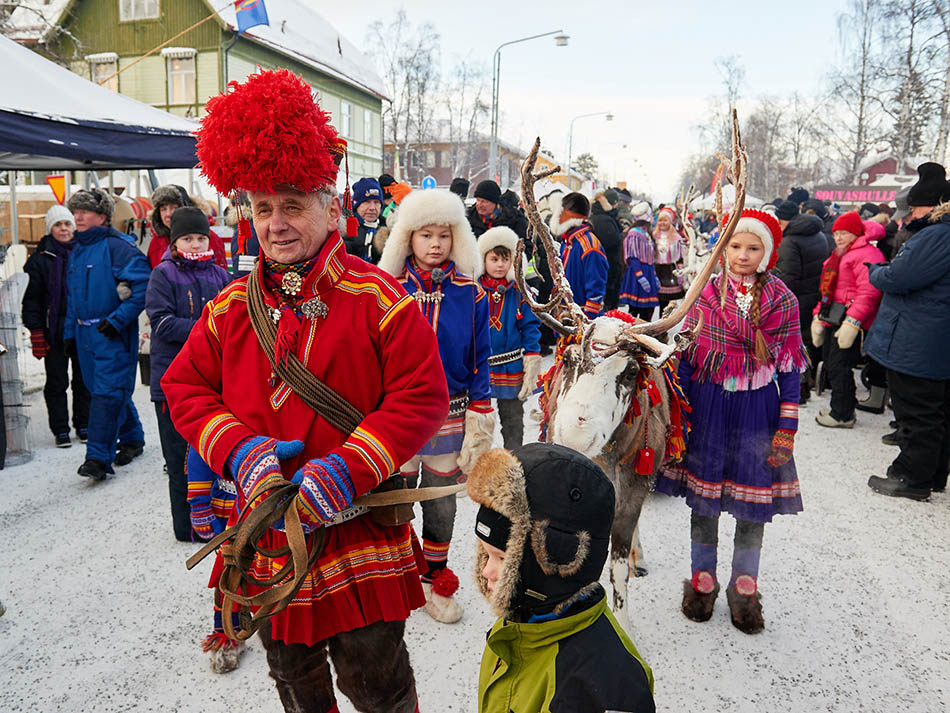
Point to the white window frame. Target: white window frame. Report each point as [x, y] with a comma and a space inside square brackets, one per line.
[173, 76]
[346, 119]
[102, 65]
[132, 10]
[367, 126]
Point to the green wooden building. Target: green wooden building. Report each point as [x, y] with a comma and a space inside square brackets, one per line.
[97, 38]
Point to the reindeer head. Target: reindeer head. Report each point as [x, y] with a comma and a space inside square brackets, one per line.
[598, 373]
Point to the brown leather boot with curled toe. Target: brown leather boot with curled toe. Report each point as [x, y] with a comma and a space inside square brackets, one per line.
[746, 610]
[698, 606]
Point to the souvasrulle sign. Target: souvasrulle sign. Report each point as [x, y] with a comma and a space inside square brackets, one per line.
[855, 194]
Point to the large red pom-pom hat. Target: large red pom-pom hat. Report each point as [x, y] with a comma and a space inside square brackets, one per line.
[766, 228]
[268, 132]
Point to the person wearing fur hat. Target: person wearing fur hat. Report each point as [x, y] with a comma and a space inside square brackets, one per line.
[843, 315]
[240, 392]
[433, 254]
[585, 264]
[670, 252]
[543, 534]
[103, 329]
[742, 379]
[44, 314]
[489, 211]
[165, 201]
[515, 360]
[910, 337]
[460, 186]
[640, 286]
[180, 286]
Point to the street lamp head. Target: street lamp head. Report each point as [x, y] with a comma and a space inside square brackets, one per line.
[610, 117]
[561, 40]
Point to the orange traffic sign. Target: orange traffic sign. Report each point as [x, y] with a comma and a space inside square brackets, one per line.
[58, 184]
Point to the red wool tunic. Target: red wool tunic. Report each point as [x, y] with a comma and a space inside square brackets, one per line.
[376, 350]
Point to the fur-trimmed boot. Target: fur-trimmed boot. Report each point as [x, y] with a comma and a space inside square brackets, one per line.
[225, 652]
[440, 596]
[699, 596]
[746, 609]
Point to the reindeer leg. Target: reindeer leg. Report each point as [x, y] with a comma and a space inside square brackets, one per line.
[637, 490]
[620, 539]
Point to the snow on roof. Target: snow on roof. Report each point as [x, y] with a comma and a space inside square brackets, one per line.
[31, 20]
[299, 32]
[295, 30]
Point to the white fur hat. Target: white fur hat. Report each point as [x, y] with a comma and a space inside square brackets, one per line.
[500, 236]
[432, 207]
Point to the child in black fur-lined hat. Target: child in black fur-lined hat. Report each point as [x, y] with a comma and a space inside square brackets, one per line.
[543, 533]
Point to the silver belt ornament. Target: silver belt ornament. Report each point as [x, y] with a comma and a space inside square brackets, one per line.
[505, 357]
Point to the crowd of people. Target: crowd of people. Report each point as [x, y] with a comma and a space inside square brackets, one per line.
[416, 292]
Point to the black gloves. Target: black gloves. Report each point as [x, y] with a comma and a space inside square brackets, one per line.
[105, 327]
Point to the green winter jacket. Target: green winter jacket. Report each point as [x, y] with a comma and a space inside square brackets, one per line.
[582, 663]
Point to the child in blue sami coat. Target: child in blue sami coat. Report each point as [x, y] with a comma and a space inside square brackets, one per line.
[515, 361]
[585, 264]
[432, 252]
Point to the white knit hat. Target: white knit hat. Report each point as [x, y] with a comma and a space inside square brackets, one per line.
[56, 214]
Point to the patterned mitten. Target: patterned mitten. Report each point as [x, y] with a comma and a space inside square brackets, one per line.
[255, 464]
[783, 446]
[643, 282]
[848, 332]
[38, 343]
[325, 490]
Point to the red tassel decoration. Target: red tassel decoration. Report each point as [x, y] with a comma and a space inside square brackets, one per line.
[352, 227]
[644, 465]
[444, 582]
[287, 330]
[244, 235]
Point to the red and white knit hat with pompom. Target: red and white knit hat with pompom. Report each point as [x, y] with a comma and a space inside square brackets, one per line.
[766, 228]
[268, 132]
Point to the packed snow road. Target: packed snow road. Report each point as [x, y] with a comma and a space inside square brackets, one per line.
[101, 614]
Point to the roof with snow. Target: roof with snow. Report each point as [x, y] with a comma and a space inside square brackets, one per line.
[295, 31]
[299, 32]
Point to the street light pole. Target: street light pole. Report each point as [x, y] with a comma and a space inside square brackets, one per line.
[561, 40]
[570, 137]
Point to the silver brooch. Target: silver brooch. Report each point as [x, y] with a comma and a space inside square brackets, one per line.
[426, 297]
[291, 283]
[275, 314]
[314, 308]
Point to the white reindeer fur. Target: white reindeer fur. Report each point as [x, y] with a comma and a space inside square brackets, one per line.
[434, 207]
[505, 237]
[587, 413]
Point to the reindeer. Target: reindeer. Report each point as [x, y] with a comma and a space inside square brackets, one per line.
[591, 392]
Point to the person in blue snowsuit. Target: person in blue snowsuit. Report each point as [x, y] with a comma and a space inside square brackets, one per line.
[432, 252]
[515, 330]
[102, 327]
[585, 263]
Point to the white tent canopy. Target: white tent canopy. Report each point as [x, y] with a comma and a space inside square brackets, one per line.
[728, 200]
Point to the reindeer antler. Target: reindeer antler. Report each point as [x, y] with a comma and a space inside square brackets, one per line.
[736, 168]
[561, 294]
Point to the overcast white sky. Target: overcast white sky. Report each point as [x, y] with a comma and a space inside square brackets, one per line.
[650, 63]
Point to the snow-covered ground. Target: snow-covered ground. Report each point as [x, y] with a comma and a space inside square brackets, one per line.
[102, 615]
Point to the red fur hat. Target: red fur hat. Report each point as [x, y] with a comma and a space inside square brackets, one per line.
[766, 228]
[267, 132]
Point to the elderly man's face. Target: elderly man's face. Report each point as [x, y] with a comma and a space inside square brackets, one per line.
[292, 226]
[369, 210]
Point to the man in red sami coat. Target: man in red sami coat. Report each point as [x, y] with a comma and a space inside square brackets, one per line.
[353, 327]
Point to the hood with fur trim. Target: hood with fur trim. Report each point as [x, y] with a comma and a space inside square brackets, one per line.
[551, 510]
[433, 207]
[499, 236]
[164, 195]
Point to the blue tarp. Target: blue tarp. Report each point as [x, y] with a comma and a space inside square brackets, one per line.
[53, 119]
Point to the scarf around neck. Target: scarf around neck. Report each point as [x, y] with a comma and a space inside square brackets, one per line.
[724, 351]
[56, 287]
[288, 326]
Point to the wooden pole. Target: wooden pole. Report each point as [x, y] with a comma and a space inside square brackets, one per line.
[156, 49]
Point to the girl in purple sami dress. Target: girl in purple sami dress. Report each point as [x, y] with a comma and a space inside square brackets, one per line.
[742, 380]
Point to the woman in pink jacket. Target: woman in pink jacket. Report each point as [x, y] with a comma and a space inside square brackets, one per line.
[845, 312]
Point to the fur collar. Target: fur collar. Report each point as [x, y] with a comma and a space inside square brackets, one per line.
[567, 225]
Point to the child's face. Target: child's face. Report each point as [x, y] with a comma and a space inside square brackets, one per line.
[492, 570]
[192, 243]
[497, 266]
[744, 253]
[431, 245]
